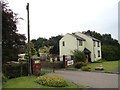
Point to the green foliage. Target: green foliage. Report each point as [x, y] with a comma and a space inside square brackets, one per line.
[13, 43]
[52, 81]
[54, 41]
[33, 51]
[28, 82]
[78, 65]
[15, 70]
[80, 56]
[99, 61]
[40, 42]
[4, 79]
[110, 52]
[86, 69]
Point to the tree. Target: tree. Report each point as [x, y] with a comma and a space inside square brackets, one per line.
[11, 40]
[40, 42]
[54, 41]
[110, 52]
[79, 55]
[32, 49]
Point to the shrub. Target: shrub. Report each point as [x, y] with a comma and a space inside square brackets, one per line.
[79, 55]
[78, 65]
[99, 61]
[52, 81]
[15, 70]
[4, 79]
[86, 69]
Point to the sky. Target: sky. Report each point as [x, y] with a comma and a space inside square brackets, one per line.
[58, 17]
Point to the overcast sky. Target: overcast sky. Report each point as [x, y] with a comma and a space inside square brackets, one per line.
[52, 17]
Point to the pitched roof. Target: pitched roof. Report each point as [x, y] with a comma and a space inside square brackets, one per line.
[94, 39]
[78, 37]
[86, 50]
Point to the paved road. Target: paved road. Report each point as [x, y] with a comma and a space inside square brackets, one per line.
[92, 79]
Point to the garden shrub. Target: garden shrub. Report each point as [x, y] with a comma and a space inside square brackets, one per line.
[86, 69]
[99, 61]
[4, 79]
[78, 65]
[52, 81]
[15, 70]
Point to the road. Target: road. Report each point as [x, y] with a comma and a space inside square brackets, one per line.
[92, 79]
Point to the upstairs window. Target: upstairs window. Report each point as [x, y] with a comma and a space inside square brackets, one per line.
[98, 44]
[80, 43]
[63, 43]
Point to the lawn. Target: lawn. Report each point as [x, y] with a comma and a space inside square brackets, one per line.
[109, 66]
[29, 82]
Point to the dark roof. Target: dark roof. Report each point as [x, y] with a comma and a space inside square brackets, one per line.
[86, 50]
[94, 39]
[78, 37]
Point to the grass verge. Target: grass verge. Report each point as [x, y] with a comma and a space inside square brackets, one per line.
[29, 82]
[109, 66]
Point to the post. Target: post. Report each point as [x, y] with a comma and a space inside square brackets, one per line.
[53, 59]
[29, 58]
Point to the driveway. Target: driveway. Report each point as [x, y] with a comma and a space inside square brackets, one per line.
[92, 79]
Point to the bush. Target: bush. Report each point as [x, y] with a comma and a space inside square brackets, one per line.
[4, 79]
[15, 70]
[78, 65]
[79, 55]
[86, 69]
[99, 61]
[52, 81]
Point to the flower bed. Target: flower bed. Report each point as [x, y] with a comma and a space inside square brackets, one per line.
[52, 81]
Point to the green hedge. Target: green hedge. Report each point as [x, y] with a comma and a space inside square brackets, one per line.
[15, 70]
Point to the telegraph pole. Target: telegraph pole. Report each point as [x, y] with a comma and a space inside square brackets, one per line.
[29, 51]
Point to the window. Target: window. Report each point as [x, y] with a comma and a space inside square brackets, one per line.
[72, 57]
[63, 43]
[80, 43]
[98, 53]
[94, 43]
[98, 43]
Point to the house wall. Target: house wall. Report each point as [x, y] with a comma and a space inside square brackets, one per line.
[88, 44]
[96, 49]
[70, 44]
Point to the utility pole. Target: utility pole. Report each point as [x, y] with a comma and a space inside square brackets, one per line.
[29, 51]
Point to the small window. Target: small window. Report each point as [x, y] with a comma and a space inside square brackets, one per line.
[98, 53]
[98, 43]
[63, 43]
[72, 57]
[80, 43]
[94, 43]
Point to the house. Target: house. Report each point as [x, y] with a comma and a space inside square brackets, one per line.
[79, 41]
[21, 57]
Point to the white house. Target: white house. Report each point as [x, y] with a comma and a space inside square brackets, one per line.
[79, 41]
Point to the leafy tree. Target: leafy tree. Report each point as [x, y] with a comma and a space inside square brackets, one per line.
[80, 56]
[110, 52]
[12, 41]
[40, 42]
[54, 41]
[32, 49]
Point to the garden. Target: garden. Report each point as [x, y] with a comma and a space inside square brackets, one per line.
[45, 81]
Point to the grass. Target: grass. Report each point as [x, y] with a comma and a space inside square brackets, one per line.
[109, 66]
[29, 82]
